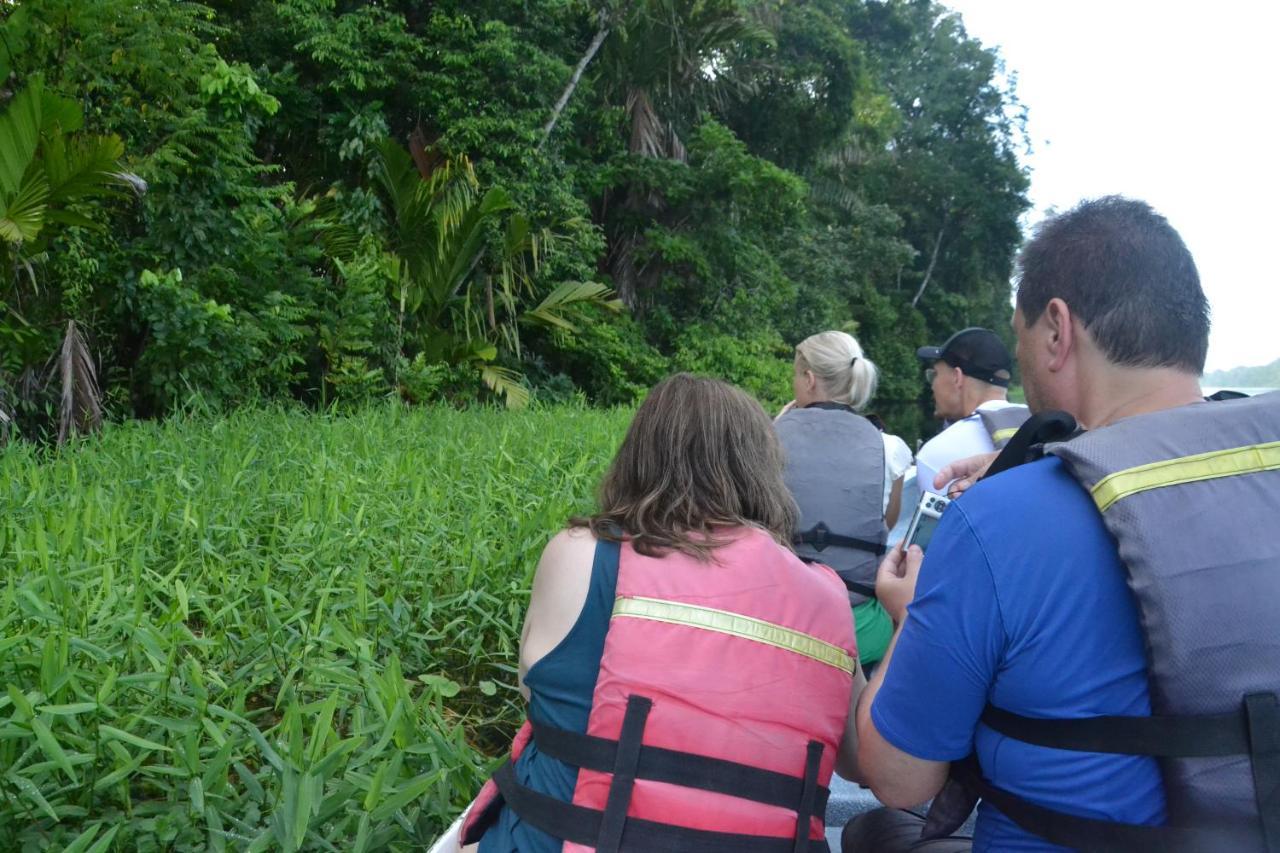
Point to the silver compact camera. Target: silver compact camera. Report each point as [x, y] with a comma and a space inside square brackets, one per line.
[925, 519]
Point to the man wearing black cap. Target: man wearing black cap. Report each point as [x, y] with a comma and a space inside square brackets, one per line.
[969, 376]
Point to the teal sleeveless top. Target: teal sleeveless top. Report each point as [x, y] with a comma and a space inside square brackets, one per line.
[560, 688]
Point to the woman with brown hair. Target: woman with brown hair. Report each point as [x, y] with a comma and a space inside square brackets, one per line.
[689, 679]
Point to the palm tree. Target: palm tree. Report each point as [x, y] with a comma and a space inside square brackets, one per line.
[464, 269]
[48, 172]
[669, 61]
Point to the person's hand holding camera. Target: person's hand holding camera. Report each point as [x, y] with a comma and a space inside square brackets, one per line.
[896, 580]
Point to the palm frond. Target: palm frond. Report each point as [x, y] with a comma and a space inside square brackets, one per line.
[83, 167]
[467, 242]
[22, 215]
[506, 383]
[19, 134]
[551, 311]
[80, 401]
[648, 130]
[58, 114]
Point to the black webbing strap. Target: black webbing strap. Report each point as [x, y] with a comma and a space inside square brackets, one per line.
[820, 538]
[626, 757]
[581, 825]
[1162, 737]
[1027, 443]
[679, 768]
[808, 797]
[866, 589]
[1102, 836]
[1263, 714]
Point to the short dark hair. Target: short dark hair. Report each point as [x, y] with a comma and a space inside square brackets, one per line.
[1125, 272]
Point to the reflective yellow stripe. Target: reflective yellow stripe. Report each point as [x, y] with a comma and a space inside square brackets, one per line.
[1251, 459]
[736, 625]
[1003, 434]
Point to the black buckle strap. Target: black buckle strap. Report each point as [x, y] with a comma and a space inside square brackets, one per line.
[1162, 737]
[808, 796]
[581, 825]
[1263, 714]
[626, 757]
[1253, 731]
[1102, 836]
[820, 538]
[680, 768]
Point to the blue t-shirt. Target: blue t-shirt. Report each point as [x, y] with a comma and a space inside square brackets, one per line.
[1022, 601]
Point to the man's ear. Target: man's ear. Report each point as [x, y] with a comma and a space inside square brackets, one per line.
[1060, 334]
[810, 380]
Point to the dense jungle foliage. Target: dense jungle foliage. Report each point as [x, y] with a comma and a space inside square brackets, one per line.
[335, 201]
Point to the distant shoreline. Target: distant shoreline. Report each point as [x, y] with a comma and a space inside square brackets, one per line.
[1252, 392]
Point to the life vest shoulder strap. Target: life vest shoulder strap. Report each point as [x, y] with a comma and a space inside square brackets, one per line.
[1028, 443]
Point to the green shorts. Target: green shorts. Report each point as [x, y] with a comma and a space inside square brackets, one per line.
[874, 628]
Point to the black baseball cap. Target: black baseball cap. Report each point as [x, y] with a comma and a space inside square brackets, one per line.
[977, 352]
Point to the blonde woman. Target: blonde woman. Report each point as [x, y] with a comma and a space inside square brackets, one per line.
[845, 474]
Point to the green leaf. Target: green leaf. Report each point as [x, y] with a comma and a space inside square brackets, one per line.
[302, 809]
[82, 167]
[404, 796]
[104, 843]
[195, 790]
[251, 782]
[374, 793]
[322, 729]
[19, 134]
[23, 216]
[52, 749]
[132, 739]
[488, 688]
[82, 841]
[21, 702]
[68, 710]
[59, 114]
[445, 687]
[272, 757]
[27, 787]
[361, 843]
[120, 773]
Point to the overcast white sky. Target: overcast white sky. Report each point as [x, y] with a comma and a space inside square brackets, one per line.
[1169, 102]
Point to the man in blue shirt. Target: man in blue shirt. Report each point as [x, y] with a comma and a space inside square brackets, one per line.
[1022, 601]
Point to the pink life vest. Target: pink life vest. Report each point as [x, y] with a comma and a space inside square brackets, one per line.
[720, 704]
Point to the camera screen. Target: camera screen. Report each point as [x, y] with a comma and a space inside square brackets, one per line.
[924, 530]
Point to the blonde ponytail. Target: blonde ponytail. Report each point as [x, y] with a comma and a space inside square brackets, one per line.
[844, 374]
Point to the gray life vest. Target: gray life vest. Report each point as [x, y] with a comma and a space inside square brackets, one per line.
[835, 471]
[1191, 496]
[1002, 424]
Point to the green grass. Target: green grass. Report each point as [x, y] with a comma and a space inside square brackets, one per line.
[275, 631]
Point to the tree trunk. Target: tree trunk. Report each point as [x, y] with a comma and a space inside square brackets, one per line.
[601, 34]
[933, 259]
